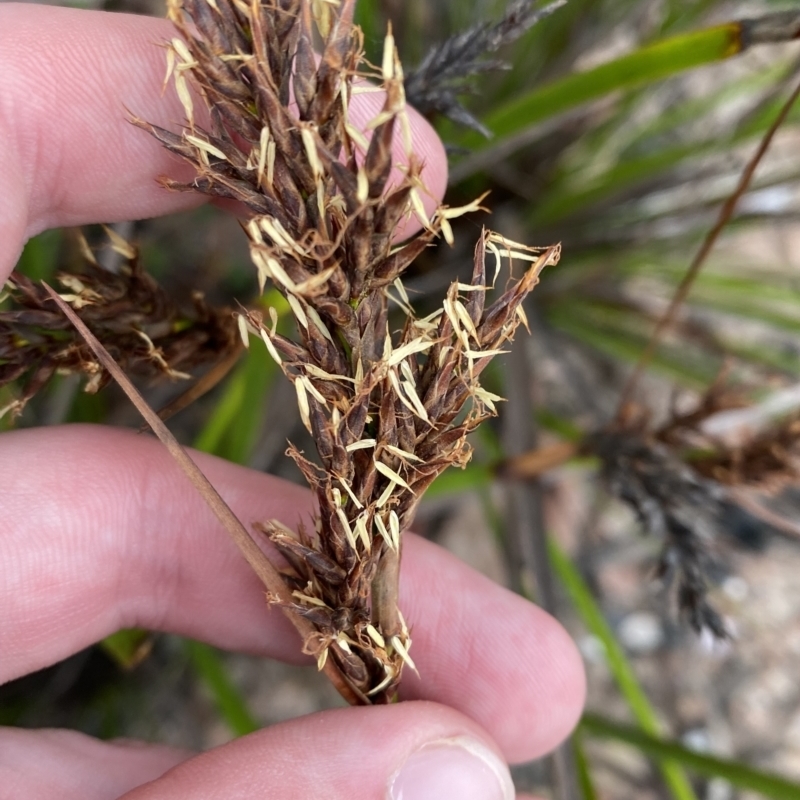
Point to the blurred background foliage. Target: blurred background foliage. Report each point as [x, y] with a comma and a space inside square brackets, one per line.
[619, 129]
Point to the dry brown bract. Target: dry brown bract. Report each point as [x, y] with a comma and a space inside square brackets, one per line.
[388, 411]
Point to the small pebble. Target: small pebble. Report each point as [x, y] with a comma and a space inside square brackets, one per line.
[641, 632]
[736, 588]
[697, 739]
[719, 789]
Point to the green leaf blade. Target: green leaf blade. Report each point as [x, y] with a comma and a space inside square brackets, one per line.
[620, 667]
[736, 773]
[229, 700]
[648, 64]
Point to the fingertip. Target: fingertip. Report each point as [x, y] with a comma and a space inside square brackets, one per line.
[405, 751]
[489, 653]
[63, 115]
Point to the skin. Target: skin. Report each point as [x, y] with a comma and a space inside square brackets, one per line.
[101, 531]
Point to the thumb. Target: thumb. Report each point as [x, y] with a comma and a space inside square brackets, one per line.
[410, 751]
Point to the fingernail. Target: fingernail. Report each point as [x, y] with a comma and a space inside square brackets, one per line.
[458, 768]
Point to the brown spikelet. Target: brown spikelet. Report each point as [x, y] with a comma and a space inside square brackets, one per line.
[147, 334]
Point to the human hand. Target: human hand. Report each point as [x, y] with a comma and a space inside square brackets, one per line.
[103, 532]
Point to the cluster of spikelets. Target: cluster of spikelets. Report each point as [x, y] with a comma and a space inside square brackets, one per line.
[675, 504]
[139, 324]
[691, 487]
[265, 86]
[388, 410]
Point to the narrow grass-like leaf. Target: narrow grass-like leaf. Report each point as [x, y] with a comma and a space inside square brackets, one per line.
[456, 481]
[128, 647]
[620, 667]
[627, 174]
[583, 768]
[515, 122]
[649, 64]
[369, 17]
[735, 772]
[644, 153]
[701, 256]
[212, 435]
[768, 298]
[229, 701]
[606, 330]
[773, 358]
[39, 258]
[638, 138]
[765, 298]
[232, 427]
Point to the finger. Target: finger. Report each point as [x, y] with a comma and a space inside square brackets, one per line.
[41, 765]
[410, 751]
[521, 673]
[102, 531]
[69, 156]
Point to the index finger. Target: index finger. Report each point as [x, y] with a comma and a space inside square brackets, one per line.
[68, 154]
[102, 531]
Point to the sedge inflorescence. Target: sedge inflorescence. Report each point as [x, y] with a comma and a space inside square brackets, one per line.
[388, 410]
